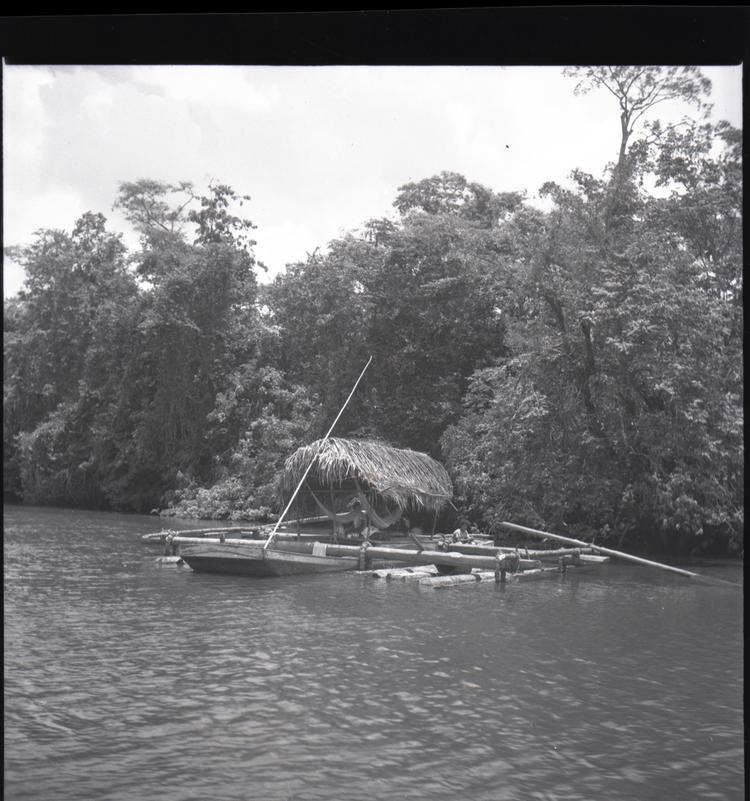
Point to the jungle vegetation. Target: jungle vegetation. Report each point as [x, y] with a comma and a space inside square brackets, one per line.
[576, 367]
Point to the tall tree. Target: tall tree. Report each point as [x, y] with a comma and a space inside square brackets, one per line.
[620, 409]
[638, 89]
[69, 328]
[199, 321]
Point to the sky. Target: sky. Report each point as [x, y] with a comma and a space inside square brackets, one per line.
[320, 150]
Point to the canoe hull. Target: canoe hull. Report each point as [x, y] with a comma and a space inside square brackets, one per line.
[251, 560]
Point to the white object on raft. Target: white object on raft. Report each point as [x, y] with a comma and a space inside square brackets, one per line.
[176, 561]
[405, 573]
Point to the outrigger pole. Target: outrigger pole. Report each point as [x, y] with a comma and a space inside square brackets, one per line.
[271, 536]
[619, 554]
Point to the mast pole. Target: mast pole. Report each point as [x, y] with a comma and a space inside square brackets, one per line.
[271, 536]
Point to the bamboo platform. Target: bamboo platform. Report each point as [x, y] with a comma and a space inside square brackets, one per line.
[446, 564]
[437, 562]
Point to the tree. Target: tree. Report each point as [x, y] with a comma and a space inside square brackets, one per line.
[701, 165]
[156, 209]
[69, 325]
[198, 322]
[451, 193]
[322, 313]
[419, 295]
[620, 408]
[112, 372]
[261, 418]
[638, 89]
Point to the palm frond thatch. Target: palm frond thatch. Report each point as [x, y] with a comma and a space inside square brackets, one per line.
[407, 478]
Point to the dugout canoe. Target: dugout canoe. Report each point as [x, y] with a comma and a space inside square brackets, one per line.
[251, 559]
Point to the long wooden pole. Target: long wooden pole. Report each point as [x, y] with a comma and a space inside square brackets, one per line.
[610, 552]
[302, 480]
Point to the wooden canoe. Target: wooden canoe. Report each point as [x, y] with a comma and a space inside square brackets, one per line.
[249, 559]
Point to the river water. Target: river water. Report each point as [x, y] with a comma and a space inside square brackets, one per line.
[125, 680]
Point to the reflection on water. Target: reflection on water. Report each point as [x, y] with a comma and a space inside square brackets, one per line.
[126, 680]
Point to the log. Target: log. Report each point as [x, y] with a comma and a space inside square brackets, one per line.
[486, 576]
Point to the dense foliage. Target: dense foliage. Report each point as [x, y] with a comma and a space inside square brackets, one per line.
[577, 366]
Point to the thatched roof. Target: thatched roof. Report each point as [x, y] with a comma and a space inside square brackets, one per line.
[407, 478]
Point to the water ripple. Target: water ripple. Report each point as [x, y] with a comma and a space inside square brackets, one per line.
[125, 680]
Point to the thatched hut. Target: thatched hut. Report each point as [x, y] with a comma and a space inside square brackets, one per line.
[350, 480]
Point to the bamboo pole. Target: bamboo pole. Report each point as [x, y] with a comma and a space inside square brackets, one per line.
[156, 536]
[304, 476]
[527, 553]
[426, 543]
[259, 527]
[610, 552]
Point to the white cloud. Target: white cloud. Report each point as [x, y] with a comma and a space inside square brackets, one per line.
[319, 149]
[218, 86]
[13, 277]
[53, 208]
[23, 118]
